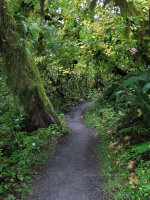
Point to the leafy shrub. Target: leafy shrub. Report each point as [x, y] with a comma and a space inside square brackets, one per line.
[124, 159]
[20, 152]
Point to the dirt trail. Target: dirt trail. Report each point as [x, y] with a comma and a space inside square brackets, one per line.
[72, 173]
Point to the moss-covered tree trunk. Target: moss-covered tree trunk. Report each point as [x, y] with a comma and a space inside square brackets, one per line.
[23, 76]
[129, 9]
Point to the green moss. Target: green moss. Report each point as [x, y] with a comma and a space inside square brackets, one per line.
[23, 77]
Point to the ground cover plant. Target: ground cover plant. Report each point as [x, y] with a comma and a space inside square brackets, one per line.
[124, 148]
[21, 152]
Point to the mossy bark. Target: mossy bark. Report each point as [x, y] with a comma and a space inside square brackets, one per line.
[23, 76]
[129, 9]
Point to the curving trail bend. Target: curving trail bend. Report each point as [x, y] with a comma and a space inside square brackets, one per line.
[72, 173]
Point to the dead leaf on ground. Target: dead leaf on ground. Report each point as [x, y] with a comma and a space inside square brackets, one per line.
[132, 164]
[127, 137]
[113, 144]
[118, 148]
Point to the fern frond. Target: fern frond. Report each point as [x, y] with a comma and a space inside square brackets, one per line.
[141, 148]
[140, 130]
[146, 87]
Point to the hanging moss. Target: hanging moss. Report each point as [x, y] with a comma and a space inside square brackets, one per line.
[23, 76]
[129, 9]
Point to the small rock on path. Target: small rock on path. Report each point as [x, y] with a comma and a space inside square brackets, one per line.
[72, 173]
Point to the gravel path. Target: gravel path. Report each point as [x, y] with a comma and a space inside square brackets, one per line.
[72, 174]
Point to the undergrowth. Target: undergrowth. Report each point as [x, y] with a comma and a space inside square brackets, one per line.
[123, 156]
[21, 152]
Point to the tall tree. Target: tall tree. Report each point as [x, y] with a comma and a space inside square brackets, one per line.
[23, 76]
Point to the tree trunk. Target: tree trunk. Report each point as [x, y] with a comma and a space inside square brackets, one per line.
[23, 76]
[129, 9]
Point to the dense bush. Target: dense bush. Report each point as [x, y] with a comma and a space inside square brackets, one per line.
[21, 152]
[125, 137]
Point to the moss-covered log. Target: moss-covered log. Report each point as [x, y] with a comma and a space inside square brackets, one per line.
[23, 76]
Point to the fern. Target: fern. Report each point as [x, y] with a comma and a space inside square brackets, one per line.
[137, 78]
[141, 148]
[133, 94]
[139, 128]
[146, 88]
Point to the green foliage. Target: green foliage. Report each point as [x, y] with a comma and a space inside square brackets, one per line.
[21, 68]
[77, 46]
[21, 152]
[129, 145]
[141, 131]
[123, 159]
[141, 148]
[133, 94]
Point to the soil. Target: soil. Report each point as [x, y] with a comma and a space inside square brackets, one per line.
[73, 172]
